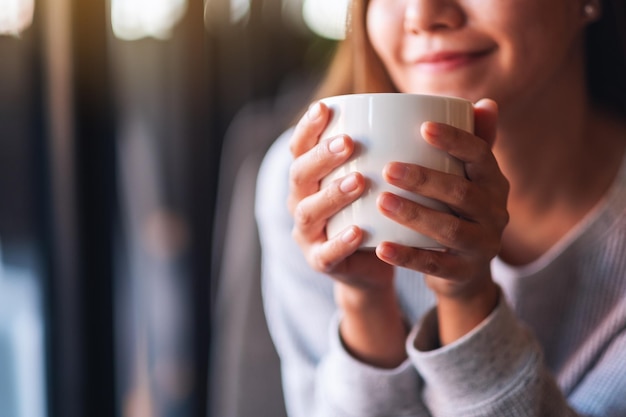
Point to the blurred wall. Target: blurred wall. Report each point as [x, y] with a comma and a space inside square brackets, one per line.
[110, 154]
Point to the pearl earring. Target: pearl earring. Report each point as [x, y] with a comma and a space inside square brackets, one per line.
[591, 10]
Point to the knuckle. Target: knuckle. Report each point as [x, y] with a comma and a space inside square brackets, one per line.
[302, 216]
[296, 176]
[321, 263]
[460, 191]
[420, 178]
[334, 196]
[430, 264]
[411, 213]
[332, 193]
[452, 230]
[320, 153]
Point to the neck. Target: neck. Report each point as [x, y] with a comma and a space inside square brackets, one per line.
[559, 164]
[539, 148]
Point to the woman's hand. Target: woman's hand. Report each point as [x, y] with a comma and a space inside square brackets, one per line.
[460, 276]
[311, 206]
[372, 327]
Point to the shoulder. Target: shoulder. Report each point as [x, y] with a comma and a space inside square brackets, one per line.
[273, 178]
[278, 158]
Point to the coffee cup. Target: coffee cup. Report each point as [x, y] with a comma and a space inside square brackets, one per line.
[386, 127]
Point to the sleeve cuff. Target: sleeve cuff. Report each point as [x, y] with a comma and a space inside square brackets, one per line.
[485, 364]
[364, 390]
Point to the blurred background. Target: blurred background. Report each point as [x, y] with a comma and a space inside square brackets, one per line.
[130, 136]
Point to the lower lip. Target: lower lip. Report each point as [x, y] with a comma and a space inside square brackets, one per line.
[452, 63]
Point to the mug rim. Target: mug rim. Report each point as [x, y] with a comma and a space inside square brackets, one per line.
[407, 95]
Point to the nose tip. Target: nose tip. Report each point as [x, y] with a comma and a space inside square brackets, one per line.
[432, 15]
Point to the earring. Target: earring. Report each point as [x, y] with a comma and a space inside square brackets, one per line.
[591, 10]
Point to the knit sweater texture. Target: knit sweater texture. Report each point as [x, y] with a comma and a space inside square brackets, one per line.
[554, 346]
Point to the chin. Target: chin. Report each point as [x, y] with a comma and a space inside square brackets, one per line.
[445, 92]
[469, 90]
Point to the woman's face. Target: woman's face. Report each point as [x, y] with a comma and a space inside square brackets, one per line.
[478, 48]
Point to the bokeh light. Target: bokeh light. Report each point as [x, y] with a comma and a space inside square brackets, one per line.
[327, 18]
[136, 19]
[15, 16]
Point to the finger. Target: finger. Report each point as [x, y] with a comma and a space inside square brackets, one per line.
[445, 228]
[309, 128]
[480, 163]
[443, 264]
[486, 120]
[484, 205]
[457, 192]
[313, 212]
[457, 142]
[319, 161]
[326, 256]
[307, 171]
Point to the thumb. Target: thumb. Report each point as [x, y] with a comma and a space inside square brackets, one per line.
[486, 120]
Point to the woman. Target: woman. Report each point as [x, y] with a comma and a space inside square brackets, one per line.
[525, 313]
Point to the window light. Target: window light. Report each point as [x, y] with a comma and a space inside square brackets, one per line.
[136, 19]
[15, 16]
[327, 18]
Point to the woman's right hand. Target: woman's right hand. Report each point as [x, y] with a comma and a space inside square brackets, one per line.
[372, 327]
[311, 206]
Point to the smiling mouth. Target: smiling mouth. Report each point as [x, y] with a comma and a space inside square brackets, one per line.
[448, 61]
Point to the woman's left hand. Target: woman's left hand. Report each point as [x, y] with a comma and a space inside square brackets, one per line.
[460, 276]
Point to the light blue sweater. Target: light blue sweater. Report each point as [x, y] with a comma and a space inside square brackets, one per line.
[555, 345]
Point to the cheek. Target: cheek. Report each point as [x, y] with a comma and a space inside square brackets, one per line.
[384, 28]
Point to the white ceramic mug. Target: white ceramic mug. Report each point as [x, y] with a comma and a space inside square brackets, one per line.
[385, 128]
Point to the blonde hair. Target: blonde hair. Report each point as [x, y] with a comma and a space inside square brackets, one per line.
[355, 67]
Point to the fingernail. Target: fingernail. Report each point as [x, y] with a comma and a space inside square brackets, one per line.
[337, 145]
[314, 111]
[486, 103]
[396, 171]
[387, 251]
[390, 202]
[348, 236]
[348, 184]
[431, 128]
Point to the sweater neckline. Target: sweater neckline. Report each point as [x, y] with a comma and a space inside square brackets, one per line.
[611, 204]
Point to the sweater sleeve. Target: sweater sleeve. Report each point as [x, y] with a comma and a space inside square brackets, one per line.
[319, 377]
[495, 370]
